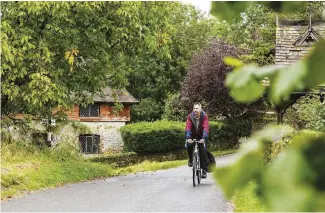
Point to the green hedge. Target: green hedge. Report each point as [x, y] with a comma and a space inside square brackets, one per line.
[164, 136]
[273, 149]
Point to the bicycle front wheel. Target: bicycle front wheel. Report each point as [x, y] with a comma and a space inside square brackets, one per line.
[196, 168]
[198, 171]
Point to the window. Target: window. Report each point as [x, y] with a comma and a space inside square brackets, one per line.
[89, 144]
[89, 111]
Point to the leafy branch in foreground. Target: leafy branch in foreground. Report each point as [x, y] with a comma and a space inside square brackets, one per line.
[295, 179]
[245, 82]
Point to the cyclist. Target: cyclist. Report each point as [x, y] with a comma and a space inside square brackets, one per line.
[197, 127]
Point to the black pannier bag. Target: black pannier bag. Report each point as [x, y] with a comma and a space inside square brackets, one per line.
[211, 162]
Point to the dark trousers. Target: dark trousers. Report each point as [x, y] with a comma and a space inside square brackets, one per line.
[202, 153]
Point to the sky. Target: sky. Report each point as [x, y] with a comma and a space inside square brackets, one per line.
[202, 4]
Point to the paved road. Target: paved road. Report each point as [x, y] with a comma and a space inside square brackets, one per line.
[160, 191]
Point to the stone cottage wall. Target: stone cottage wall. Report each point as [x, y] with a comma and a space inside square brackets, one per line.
[110, 137]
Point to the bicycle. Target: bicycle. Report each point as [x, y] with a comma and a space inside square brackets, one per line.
[197, 171]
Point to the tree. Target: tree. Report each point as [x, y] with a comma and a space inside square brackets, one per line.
[205, 82]
[156, 77]
[253, 32]
[174, 110]
[52, 53]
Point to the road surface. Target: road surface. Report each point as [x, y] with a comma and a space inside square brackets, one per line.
[161, 191]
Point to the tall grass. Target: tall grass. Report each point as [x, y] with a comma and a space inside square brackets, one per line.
[26, 168]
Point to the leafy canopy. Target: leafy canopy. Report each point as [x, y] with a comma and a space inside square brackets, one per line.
[52, 53]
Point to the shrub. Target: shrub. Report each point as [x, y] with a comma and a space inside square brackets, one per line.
[164, 136]
[226, 135]
[308, 112]
[148, 109]
[157, 136]
[274, 148]
[174, 111]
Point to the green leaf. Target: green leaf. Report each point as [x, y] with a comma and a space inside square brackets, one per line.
[247, 166]
[287, 80]
[243, 87]
[224, 10]
[230, 61]
[316, 66]
[284, 186]
[228, 10]
[267, 71]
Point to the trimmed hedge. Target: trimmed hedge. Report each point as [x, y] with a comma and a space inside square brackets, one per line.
[164, 136]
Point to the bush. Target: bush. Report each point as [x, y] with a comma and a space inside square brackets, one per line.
[226, 135]
[308, 112]
[273, 149]
[148, 109]
[164, 136]
[174, 111]
[157, 136]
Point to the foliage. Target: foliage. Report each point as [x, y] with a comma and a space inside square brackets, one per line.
[148, 109]
[316, 9]
[80, 127]
[205, 83]
[164, 136]
[274, 148]
[226, 135]
[153, 136]
[155, 77]
[299, 165]
[308, 113]
[174, 110]
[246, 200]
[52, 53]
[229, 10]
[245, 82]
[253, 32]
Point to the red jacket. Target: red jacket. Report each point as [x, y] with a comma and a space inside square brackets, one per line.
[191, 132]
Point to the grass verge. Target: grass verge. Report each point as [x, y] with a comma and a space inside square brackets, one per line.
[246, 200]
[25, 168]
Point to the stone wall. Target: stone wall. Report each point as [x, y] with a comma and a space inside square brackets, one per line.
[110, 137]
[287, 33]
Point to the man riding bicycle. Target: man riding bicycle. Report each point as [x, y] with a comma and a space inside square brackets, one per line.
[197, 127]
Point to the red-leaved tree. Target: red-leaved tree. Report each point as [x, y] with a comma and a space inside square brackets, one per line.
[205, 83]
